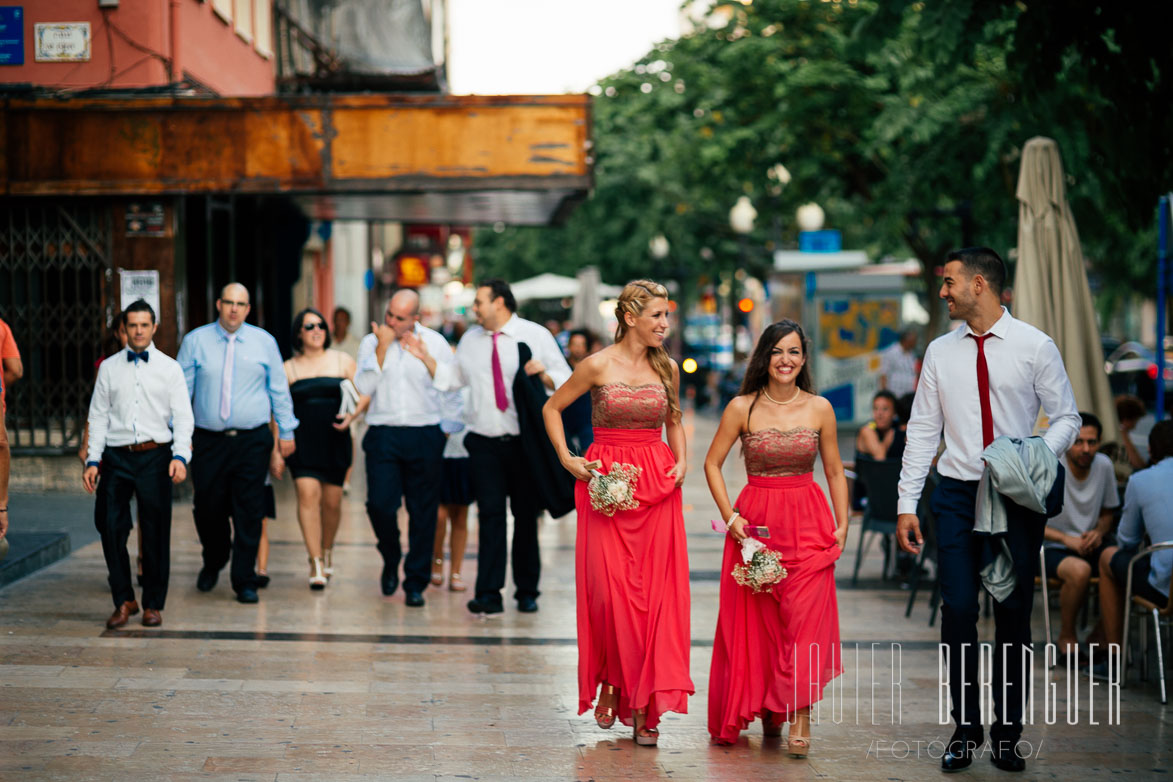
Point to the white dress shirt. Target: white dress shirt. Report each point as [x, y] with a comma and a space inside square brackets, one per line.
[1026, 372]
[401, 391]
[474, 368]
[139, 401]
[898, 366]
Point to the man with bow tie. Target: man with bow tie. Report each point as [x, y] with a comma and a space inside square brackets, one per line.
[140, 443]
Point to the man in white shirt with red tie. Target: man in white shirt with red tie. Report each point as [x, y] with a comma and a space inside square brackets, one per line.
[140, 443]
[487, 361]
[987, 378]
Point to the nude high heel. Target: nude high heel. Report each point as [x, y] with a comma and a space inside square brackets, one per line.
[328, 562]
[797, 746]
[644, 737]
[317, 574]
[437, 572]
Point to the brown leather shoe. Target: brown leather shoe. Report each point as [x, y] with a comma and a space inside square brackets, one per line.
[151, 617]
[122, 615]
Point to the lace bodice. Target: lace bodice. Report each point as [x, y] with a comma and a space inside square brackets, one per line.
[773, 453]
[620, 406]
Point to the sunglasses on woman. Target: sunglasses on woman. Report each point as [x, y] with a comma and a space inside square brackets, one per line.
[313, 325]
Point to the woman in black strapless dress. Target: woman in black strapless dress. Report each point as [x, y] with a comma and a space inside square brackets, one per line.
[324, 449]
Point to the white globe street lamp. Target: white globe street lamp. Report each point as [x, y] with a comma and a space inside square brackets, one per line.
[658, 247]
[742, 216]
[810, 217]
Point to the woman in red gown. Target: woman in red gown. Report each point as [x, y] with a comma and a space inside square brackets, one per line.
[631, 567]
[776, 650]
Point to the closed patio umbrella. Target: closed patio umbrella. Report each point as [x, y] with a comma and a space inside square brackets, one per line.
[1050, 288]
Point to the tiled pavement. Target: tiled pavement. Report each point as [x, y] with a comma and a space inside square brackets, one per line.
[345, 685]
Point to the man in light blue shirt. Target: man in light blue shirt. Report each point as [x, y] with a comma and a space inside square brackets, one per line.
[1148, 510]
[237, 384]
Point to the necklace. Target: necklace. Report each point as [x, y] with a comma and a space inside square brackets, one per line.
[797, 391]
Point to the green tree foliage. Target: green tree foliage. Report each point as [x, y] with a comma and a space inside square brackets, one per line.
[897, 117]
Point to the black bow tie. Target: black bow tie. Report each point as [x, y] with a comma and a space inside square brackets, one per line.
[131, 355]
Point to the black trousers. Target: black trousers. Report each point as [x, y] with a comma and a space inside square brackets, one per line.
[228, 476]
[405, 463]
[961, 556]
[499, 471]
[143, 475]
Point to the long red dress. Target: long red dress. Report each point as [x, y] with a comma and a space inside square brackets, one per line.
[632, 568]
[777, 649]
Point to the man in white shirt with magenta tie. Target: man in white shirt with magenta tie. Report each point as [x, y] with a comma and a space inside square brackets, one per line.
[140, 443]
[987, 378]
[487, 361]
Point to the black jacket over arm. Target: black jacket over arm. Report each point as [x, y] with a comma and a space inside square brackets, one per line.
[552, 484]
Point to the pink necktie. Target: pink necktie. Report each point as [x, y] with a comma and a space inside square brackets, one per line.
[226, 379]
[498, 378]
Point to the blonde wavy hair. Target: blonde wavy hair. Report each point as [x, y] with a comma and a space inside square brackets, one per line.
[633, 300]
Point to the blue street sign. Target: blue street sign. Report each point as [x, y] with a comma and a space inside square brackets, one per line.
[11, 35]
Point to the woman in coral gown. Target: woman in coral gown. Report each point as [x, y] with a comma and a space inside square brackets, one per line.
[776, 650]
[632, 566]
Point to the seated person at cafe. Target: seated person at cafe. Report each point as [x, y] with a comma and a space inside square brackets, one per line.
[1073, 540]
[1147, 503]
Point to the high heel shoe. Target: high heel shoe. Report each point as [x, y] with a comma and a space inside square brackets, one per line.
[456, 583]
[643, 736]
[798, 746]
[328, 562]
[437, 572]
[605, 715]
[317, 573]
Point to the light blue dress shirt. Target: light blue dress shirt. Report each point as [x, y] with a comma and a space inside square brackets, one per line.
[1147, 510]
[259, 387]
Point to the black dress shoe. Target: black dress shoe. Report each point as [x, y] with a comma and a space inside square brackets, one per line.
[247, 595]
[206, 580]
[481, 605]
[527, 605]
[389, 581]
[262, 580]
[960, 750]
[413, 599]
[1005, 756]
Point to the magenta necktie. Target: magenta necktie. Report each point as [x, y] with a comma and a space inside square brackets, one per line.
[498, 377]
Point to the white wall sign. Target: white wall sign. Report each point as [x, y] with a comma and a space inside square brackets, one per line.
[140, 285]
[63, 42]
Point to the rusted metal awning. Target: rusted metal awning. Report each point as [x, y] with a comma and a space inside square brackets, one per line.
[467, 159]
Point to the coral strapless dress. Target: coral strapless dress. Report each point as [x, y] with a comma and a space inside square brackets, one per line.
[776, 650]
[632, 568]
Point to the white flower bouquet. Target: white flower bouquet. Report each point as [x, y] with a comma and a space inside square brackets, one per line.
[760, 568]
[614, 491]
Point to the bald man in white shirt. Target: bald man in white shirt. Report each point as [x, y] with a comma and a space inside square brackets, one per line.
[987, 378]
[487, 361]
[404, 445]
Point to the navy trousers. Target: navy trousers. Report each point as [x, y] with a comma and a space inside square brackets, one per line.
[405, 463]
[961, 556]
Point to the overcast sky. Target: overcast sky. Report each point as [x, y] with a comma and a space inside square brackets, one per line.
[509, 47]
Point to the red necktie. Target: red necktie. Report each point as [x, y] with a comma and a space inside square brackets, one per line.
[498, 378]
[983, 378]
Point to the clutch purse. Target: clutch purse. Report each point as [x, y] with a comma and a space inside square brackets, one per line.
[349, 398]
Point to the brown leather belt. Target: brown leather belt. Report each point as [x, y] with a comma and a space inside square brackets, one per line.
[150, 445]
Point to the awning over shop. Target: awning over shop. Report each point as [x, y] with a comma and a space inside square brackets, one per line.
[468, 159]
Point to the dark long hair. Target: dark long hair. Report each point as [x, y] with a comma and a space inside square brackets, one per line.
[299, 319]
[757, 374]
